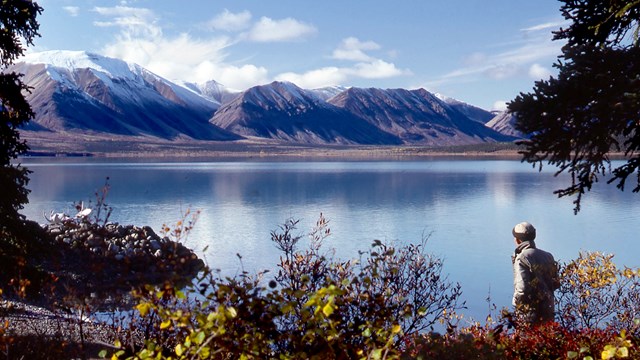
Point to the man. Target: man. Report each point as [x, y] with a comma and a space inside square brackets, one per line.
[535, 277]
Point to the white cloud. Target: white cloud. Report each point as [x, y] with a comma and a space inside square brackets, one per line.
[124, 11]
[547, 26]
[538, 72]
[183, 57]
[234, 77]
[269, 30]
[520, 59]
[502, 71]
[72, 10]
[134, 21]
[140, 39]
[377, 69]
[327, 76]
[174, 58]
[475, 59]
[229, 21]
[331, 75]
[499, 105]
[353, 49]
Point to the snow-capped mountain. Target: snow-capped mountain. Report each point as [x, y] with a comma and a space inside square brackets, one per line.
[415, 116]
[80, 91]
[211, 90]
[504, 123]
[328, 92]
[472, 112]
[283, 111]
[75, 91]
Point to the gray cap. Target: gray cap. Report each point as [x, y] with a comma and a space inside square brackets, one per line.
[524, 231]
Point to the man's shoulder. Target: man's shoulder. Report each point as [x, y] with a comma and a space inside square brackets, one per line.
[538, 254]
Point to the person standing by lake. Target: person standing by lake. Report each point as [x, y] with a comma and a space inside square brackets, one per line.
[535, 274]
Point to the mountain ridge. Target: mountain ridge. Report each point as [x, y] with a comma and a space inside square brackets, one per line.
[89, 93]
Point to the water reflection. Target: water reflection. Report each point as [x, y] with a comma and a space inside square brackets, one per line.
[468, 208]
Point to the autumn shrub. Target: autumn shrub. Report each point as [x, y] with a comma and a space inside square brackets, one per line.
[595, 293]
[314, 307]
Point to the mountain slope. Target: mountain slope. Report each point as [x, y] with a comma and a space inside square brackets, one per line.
[415, 116]
[79, 91]
[283, 111]
[472, 112]
[504, 123]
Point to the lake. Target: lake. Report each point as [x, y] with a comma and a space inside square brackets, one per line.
[466, 207]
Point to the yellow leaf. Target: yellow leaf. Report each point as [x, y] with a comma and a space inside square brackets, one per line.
[622, 352]
[396, 329]
[143, 308]
[609, 352]
[179, 350]
[327, 310]
[376, 354]
[165, 324]
[232, 312]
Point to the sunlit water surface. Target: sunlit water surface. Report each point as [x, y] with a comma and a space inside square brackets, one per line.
[466, 208]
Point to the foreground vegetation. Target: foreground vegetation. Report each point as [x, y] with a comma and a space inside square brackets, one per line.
[390, 303]
[383, 306]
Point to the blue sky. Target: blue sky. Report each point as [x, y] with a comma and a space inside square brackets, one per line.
[480, 52]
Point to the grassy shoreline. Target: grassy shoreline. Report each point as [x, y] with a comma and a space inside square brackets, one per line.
[75, 145]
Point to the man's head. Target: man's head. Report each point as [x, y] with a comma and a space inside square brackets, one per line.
[524, 232]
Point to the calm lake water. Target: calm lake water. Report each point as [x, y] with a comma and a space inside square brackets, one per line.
[467, 208]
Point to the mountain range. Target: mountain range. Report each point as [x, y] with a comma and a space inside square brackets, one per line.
[85, 93]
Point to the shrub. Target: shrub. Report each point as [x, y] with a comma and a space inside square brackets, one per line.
[314, 307]
[594, 293]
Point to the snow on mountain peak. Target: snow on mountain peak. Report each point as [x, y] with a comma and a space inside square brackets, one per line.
[71, 60]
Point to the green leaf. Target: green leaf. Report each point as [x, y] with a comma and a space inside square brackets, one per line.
[199, 338]
[376, 354]
[145, 354]
[102, 354]
[572, 355]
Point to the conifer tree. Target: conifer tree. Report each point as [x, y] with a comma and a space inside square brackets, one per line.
[591, 109]
[18, 28]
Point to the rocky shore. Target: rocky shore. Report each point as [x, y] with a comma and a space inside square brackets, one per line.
[108, 261]
[128, 250]
[92, 267]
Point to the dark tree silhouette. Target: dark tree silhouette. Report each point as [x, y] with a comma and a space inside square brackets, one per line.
[17, 25]
[18, 237]
[576, 120]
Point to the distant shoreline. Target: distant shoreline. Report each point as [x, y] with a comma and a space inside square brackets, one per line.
[50, 145]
